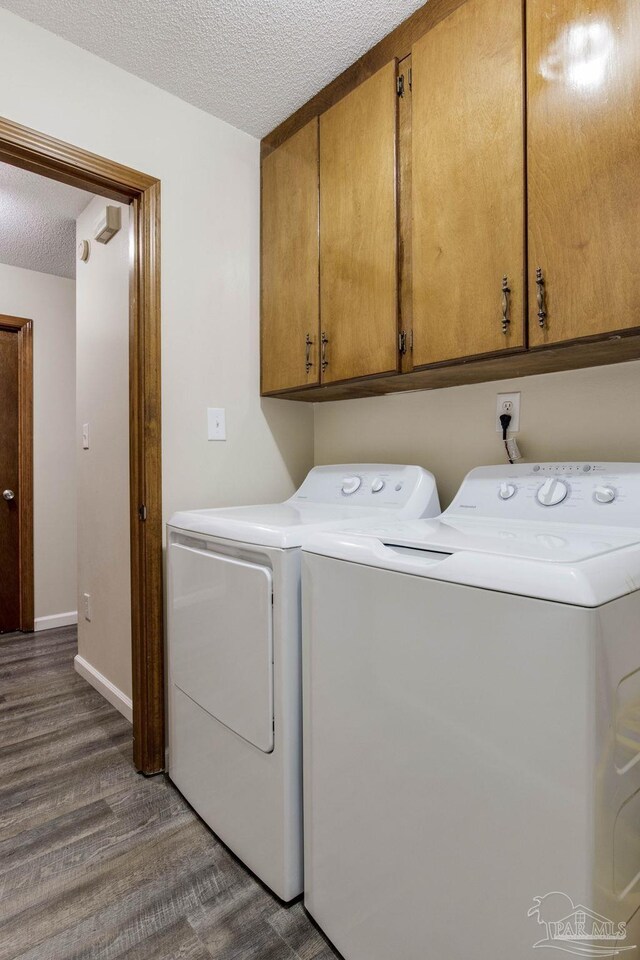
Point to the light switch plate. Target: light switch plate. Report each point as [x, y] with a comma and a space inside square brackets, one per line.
[216, 423]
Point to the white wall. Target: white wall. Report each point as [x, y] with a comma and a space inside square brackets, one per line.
[210, 261]
[50, 302]
[581, 414]
[102, 402]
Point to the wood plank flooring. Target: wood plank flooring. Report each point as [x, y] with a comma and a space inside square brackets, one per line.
[100, 863]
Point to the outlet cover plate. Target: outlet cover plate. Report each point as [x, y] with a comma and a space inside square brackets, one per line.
[514, 399]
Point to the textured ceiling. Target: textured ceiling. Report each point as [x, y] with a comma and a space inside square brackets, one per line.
[38, 222]
[249, 62]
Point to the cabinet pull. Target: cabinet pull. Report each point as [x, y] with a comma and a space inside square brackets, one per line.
[505, 305]
[540, 294]
[308, 362]
[324, 341]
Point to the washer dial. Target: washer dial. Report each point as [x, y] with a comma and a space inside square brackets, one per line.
[552, 491]
[604, 494]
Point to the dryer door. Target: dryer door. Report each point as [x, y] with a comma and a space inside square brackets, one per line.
[222, 639]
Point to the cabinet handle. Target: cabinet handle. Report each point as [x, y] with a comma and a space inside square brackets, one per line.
[324, 341]
[540, 294]
[506, 290]
[308, 362]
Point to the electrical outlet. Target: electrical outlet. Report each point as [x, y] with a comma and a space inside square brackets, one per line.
[508, 403]
[86, 601]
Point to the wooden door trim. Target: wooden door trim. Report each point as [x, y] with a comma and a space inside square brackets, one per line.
[22, 327]
[49, 157]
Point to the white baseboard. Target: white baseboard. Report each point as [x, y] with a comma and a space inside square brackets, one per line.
[109, 691]
[56, 620]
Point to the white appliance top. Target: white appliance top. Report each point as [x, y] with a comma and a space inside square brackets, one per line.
[556, 531]
[328, 497]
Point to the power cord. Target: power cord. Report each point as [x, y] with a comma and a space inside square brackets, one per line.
[505, 420]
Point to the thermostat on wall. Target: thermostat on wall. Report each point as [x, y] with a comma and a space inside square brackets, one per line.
[84, 250]
[108, 225]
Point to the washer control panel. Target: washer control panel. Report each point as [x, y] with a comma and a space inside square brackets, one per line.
[590, 493]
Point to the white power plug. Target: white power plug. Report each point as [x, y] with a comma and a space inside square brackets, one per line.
[512, 449]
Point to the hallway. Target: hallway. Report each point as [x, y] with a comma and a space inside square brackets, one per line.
[95, 860]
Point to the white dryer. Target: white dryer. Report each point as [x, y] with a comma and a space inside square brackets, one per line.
[234, 654]
[472, 722]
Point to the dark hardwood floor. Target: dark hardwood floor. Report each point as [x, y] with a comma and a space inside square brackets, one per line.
[98, 862]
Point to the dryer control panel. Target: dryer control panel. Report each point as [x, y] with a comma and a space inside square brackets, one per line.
[372, 485]
[583, 492]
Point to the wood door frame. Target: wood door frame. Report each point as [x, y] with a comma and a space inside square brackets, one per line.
[22, 147]
[24, 331]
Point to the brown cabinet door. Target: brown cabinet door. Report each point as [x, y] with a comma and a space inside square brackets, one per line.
[358, 231]
[468, 192]
[583, 72]
[289, 279]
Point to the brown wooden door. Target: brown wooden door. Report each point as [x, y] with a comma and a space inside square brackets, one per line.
[583, 67]
[468, 191]
[358, 231]
[9, 481]
[290, 318]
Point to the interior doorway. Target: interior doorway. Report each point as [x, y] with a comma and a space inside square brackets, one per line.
[30, 150]
[16, 474]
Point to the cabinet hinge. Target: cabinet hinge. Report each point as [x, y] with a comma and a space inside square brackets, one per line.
[402, 342]
[400, 85]
[410, 72]
[142, 512]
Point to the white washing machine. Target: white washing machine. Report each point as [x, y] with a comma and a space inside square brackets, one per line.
[234, 654]
[472, 722]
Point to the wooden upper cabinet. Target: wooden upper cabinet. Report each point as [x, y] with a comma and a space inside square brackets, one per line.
[468, 190]
[583, 167]
[358, 240]
[289, 277]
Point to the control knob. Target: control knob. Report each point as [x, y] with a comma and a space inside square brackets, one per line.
[506, 491]
[604, 494]
[350, 485]
[377, 485]
[551, 492]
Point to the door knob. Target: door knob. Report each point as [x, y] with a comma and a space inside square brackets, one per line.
[8, 494]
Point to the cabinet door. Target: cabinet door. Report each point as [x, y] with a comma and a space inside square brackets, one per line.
[289, 331]
[468, 193]
[583, 167]
[358, 239]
